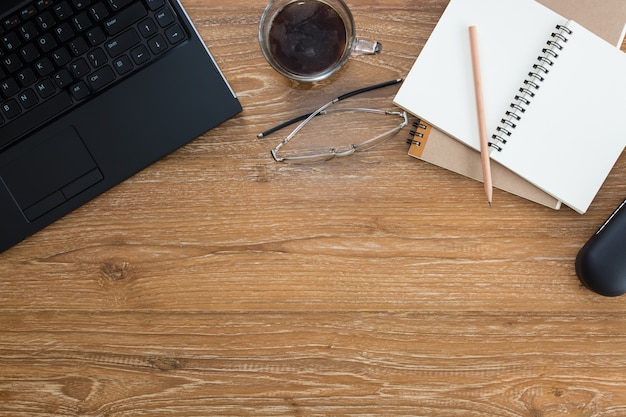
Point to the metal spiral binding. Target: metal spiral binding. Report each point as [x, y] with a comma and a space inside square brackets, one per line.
[416, 134]
[527, 92]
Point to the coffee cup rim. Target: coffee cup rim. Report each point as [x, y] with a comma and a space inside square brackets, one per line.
[321, 75]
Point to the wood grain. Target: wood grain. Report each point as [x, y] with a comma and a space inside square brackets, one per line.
[219, 283]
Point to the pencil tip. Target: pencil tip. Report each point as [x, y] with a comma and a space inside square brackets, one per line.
[260, 135]
[489, 203]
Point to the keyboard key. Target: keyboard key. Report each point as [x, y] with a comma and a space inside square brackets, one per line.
[95, 36]
[81, 4]
[63, 10]
[61, 57]
[11, 22]
[80, 91]
[124, 19]
[140, 55]
[122, 43]
[26, 77]
[29, 53]
[62, 78]
[9, 87]
[29, 31]
[12, 63]
[82, 21]
[165, 17]
[44, 66]
[99, 12]
[28, 12]
[45, 20]
[155, 4]
[64, 32]
[28, 99]
[147, 27]
[42, 4]
[97, 58]
[79, 68]
[11, 109]
[101, 78]
[78, 46]
[10, 41]
[118, 4]
[123, 65]
[157, 45]
[47, 43]
[45, 88]
[175, 34]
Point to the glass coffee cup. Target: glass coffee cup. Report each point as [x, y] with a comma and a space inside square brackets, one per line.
[309, 40]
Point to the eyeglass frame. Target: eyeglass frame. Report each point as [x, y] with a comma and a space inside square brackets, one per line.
[323, 110]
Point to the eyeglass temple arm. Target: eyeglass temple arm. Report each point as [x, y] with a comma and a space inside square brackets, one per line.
[282, 125]
[340, 98]
[370, 88]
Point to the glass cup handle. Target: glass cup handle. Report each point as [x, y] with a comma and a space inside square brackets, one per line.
[365, 47]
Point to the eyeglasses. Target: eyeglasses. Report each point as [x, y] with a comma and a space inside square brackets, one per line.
[324, 110]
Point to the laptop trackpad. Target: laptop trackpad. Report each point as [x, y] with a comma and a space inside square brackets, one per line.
[51, 173]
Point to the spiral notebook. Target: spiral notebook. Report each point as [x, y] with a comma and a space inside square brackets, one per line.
[434, 146]
[566, 85]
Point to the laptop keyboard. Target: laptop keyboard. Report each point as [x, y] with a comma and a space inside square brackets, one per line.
[56, 54]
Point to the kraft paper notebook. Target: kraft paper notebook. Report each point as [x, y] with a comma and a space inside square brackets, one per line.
[606, 18]
[569, 85]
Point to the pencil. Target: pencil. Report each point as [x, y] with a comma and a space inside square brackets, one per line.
[480, 108]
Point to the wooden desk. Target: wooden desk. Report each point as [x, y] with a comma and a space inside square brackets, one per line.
[218, 282]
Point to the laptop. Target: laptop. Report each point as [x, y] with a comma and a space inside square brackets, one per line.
[91, 92]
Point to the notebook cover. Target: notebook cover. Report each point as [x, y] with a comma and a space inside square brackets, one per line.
[605, 17]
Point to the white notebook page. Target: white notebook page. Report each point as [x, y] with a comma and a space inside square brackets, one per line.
[573, 130]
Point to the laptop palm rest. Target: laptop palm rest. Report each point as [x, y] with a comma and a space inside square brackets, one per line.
[69, 169]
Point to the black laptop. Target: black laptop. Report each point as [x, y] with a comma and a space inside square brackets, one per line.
[91, 92]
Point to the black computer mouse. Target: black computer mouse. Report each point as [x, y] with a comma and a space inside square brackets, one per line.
[601, 262]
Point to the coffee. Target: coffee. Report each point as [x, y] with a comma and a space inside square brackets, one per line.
[307, 37]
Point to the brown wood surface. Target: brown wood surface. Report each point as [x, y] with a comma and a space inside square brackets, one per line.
[220, 283]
